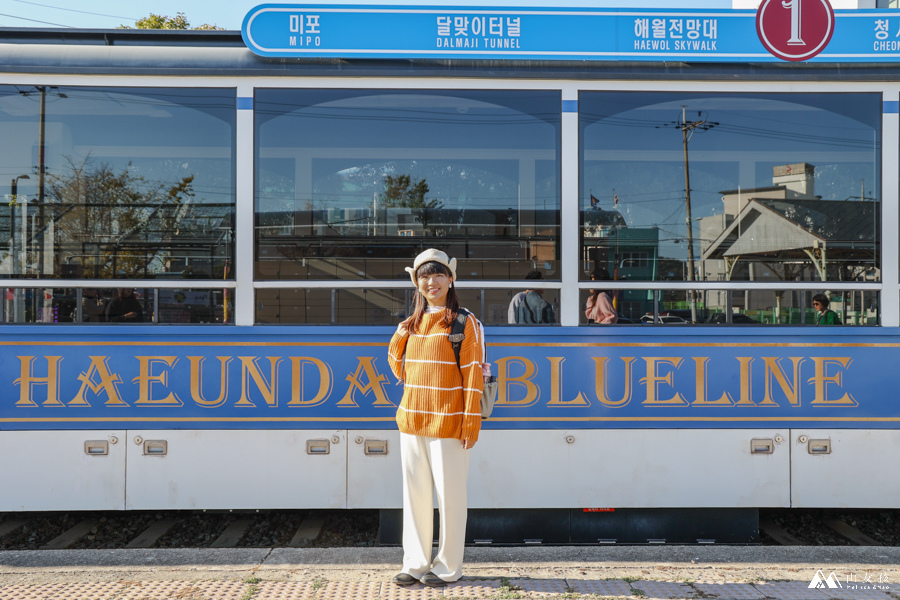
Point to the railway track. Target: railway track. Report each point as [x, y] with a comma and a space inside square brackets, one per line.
[343, 528]
[821, 527]
[187, 529]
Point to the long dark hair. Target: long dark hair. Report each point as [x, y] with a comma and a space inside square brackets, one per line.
[433, 268]
[601, 274]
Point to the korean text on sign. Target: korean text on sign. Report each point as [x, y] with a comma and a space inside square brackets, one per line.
[676, 29]
[479, 26]
[304, 24]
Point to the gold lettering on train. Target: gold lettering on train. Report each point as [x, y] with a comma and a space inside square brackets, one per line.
[312, 382]
[791, 390]
[107, 384]
[28, 379]
[601, 381]
[654, 379]
[746, 392]
[197, 381]
[297, 384]
[700, 395]
[146, 379]
[375, 384]
[556, 386]
[822, 379]
[532, 391]
[267, 387]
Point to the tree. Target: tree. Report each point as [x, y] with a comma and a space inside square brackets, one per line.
[179, 21]
[115, 224]
[404, 192]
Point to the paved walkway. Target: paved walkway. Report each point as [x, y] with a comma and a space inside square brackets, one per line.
[673, 572]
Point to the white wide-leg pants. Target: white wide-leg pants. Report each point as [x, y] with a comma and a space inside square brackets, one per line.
[433, 465]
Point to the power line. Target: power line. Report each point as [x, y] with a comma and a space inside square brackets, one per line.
[35, 20]
[74, 10]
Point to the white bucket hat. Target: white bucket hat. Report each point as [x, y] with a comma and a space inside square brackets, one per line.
[431, 255]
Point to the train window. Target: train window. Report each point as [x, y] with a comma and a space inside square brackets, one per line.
[117, 183]
[517, 306]
[116, 305]
[739, 307]
[361, 306]
[731, 187]
[377, 306]
[350, 184]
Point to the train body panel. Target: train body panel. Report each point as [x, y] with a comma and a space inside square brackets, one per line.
[590, 469]
[840, 468]
[236, 469]
[63, 470]
[625, 419]
[266, 209]
[282, 378]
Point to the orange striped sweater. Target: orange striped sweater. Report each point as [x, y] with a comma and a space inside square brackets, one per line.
[439, 399]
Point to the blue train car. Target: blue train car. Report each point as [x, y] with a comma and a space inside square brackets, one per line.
[203, 242]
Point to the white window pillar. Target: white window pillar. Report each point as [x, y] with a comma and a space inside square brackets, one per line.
[244, 296]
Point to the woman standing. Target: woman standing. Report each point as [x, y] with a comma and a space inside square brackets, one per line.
[439, 419]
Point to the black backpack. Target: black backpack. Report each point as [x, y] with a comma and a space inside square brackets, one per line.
[458, 332]
[456, 337]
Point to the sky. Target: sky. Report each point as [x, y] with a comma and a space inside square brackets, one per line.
[229, 14]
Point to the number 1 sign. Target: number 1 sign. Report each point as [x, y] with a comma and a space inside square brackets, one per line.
[795, 30]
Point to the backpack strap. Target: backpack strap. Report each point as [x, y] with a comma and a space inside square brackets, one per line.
[528, 308]
[458, 332]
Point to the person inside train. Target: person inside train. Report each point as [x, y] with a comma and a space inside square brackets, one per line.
[439, 420]
[125, 308]
[826, 315]
[529, 307]
[92, 309]
[599, 308]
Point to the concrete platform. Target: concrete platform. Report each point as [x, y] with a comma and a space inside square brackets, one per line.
[667, 572]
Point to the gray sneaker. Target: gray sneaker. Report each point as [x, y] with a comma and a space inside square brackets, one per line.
[432, 580]
[403, 579]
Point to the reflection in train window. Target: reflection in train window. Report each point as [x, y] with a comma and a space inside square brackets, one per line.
[731, 187]
[125, 306]
[117, 183]
[739, 307]
[351, 184]
[382, 306]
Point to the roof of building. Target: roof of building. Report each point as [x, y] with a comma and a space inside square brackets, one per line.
[750, 191]
[770, 226]
[831, 220]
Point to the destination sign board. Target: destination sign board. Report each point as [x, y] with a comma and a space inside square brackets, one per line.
[809, 28]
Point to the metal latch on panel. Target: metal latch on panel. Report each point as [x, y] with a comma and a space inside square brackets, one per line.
[96, 447]
[762, 446]
[156, 447]
[375, 447]
[819, 446]
[318, 447]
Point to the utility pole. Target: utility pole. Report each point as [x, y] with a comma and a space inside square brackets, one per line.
[41, 169]
[688, 127]
[41, 166]
[685, 128]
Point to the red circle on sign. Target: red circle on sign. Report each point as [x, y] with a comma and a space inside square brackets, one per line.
[795, 29]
